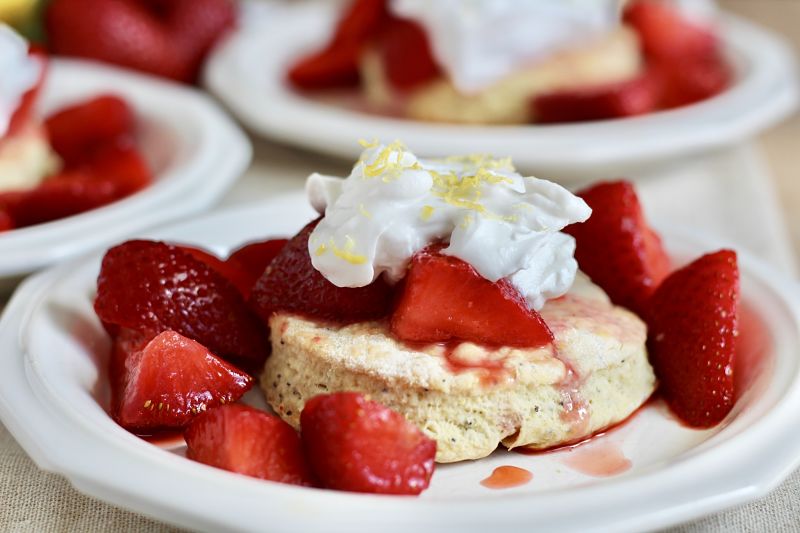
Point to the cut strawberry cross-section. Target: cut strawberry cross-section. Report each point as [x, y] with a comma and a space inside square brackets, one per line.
[153, 286]
[616, 248]
[336, 65]
[358, 445]
[170, 380]
[692, 321]
[444, 298]
[247, 441]
[291, 283]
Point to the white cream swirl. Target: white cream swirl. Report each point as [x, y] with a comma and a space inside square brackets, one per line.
[18, 73]
[394, 204]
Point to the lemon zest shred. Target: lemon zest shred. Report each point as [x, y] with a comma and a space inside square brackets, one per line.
[426, 212]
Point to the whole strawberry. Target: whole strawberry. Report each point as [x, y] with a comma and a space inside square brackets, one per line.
[692, 338]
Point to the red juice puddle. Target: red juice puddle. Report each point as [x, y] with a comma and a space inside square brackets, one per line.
[506, 477]
[571, 445]
[602, 458]
[753, 349]
[165, 439]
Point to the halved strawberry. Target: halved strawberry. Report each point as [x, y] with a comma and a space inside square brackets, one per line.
[247, 441]
[291, 283]
[5, 221]
[153, 286]
[113, 174]
[406, 54]
[253, 258]
[693, 79]
[616, 247]
[692, 321]
[336, 65]
[444, 298]
[76, 131]
[232, 271]
[616, 100]
[25, 110]
[172, 379]
[358, 445]
[666, 34]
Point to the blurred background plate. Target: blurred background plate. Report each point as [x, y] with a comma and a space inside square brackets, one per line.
[247, 72]
[195, 150]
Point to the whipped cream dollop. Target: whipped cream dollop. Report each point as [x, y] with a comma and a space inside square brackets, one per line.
[393, 204]
[18, 73]
[478, 42]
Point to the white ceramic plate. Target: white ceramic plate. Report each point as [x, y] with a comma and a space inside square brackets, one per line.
[247, 72]
[195, 150]
[53, 388]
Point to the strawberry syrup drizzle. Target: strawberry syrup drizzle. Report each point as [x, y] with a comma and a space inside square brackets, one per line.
[602, 458]
[753, 349]
[506, 477]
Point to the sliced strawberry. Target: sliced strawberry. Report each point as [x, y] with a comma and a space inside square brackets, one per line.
[5, 221]
[616, 247]
[358, 445]
[692, 80]
[253, 258]
[406, 54]
[63, 195]
[692, 320]
[171, 380]
[666, 34]
[153, 286]
[444, 299]
[125, 343]
[336, 65]
[122, 164]
[25, 110]
[231, 270]
[116, 172]
[291, 283]
[77, 130]
[617, 100]
[247, 441]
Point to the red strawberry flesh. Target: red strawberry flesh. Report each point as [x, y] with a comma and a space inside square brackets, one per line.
[336, 65]
[666, 33]
[358, 445]
[76, 131]
[445, 299]
[406, 54]
[616, 248]
[171, 380]
[692, 323]
[247, 441]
